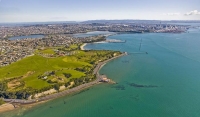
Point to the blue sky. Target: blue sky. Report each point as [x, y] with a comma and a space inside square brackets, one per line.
[80, 10]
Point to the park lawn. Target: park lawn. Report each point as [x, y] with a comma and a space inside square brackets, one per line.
[48, 51]
[35, 83]
[80, 53]
[75, 62]
[28, 69]
[39, 65]
[50, 65]
[73, 46]
[74, 73]
[21, 67]
[95, 55]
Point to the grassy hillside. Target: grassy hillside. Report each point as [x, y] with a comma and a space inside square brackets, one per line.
[39, 73]
[39, 65]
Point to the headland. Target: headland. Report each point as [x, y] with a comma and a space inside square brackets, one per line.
[16, 103]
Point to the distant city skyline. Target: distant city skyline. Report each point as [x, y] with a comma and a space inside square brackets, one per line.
[81, 10]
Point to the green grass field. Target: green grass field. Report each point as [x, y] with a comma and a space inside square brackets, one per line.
[28, 69]
[39, 65]
[48, 51]
[74, 46]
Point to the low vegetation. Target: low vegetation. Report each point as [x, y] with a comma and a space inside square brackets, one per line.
[1, 102]
[50, 68]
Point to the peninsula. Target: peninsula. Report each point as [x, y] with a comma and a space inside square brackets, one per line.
[51, 72]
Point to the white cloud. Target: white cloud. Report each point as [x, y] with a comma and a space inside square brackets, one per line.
[194, 12]
[172, 14]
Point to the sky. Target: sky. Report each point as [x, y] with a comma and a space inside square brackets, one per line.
[81, 10]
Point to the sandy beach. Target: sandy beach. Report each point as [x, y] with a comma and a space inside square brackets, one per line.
[10, 107]
[82, 46]
[6, 107]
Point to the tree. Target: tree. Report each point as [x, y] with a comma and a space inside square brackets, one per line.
[56, 87]
[53, 73]
[67, 84]
[67, 75]
[49, 81]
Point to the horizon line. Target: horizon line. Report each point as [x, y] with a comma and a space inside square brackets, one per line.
[76, 21]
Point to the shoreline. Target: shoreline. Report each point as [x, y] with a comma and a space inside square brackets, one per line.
[82, 46]
[30, 103]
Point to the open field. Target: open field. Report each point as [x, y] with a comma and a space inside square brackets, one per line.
[39, 65]
[48, 51]
[37, 73]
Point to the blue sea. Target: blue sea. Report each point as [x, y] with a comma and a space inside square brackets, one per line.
[163, 83]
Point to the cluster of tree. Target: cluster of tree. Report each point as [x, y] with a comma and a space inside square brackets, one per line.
[51, 82]
[57, 87]
[82, 80]
[67, 75]
[47, 74]
[26, 93]
[85, 69]
[22, 94]
[68, 48]
[102, 55]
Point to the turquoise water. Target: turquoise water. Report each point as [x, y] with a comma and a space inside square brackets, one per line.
[169, 76]
[24, 37]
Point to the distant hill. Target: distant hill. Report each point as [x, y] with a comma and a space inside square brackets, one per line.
[99, 22]
[36, 23]
[141, 21]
